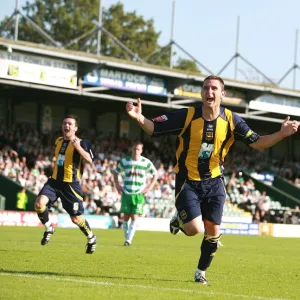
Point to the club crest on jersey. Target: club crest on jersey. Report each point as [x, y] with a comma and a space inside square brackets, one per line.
[63, 148]
[209, 135]
[183, 215]
[160, 119]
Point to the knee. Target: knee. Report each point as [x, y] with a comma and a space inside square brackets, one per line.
[211, 229]
[76, 220]
[192, 230]
[39, 206]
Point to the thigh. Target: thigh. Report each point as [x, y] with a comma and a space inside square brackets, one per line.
[126, 204]
[71, 198]
[138, 204]
[213, 201]
[187, 203]
[50, 191]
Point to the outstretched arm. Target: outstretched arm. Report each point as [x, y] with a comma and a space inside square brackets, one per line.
[266, 141]
[135, 112]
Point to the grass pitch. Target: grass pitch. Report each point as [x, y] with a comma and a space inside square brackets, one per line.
[156, 266]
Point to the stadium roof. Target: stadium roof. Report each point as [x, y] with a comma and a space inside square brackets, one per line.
[88, 62]
[89, 58]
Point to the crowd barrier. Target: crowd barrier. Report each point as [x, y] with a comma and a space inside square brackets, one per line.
[17, 218]
[95, 221]
[228, 226]
[280, 230]
[239, 228]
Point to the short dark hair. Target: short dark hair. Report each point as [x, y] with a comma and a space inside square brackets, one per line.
[72, 117]
[213, 77]
[138, 143]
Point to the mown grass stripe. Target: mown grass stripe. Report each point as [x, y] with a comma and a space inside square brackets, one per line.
[192, 291]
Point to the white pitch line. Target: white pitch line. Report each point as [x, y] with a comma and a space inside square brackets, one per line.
[138, 286]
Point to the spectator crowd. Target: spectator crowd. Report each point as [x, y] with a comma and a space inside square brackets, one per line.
[26, 158]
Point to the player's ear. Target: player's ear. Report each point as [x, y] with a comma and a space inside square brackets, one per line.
[223, 93]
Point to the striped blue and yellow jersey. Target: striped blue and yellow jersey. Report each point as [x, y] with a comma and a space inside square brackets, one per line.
[202, 145]
[69, 163]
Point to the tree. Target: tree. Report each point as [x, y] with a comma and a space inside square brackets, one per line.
[136, 33]
[63, 20]
[187, 65]
[71, 24]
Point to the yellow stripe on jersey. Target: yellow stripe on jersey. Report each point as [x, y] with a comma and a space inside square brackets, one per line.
[58, 144]
[190, 114]
[212, 138]
[229, 143]
[79, 168]
[220, 136]
[68, 164]
[196, 135]
[229, 117]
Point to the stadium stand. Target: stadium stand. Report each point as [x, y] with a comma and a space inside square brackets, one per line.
[25, 158]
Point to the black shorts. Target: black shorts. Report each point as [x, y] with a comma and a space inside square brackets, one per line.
[195, 198]
[70, 194]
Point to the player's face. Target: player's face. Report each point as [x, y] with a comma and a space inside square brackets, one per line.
[212, 93]
[137, 151]
[69, 128]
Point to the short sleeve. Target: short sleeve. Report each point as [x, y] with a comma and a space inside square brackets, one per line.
[87, 148]
[151, 169]
[170, 123]
[243, 132]
[119, 168]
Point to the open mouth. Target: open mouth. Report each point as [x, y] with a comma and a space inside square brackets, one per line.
[210, 100]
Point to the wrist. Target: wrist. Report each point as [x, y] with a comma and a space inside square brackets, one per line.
[141, 119]
[282, 135]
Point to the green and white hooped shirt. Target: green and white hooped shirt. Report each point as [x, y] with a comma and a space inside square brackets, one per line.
[135, 173]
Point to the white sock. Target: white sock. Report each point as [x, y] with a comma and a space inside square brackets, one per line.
[131, 232]
[48, 225]
[91, 239]
[90, 235]
[201, 272]
[125, 229]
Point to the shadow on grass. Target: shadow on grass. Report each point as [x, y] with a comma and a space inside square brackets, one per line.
[37, 273]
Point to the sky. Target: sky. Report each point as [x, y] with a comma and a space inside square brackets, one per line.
[208, 31]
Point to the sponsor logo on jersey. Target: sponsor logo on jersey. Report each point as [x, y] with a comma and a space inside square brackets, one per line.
[209, 135]
[206, 151]
[159, 119]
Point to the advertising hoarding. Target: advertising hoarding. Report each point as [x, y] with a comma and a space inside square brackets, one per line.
[26, 218]
[38, 69]
[128, 81]
[194, 91]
